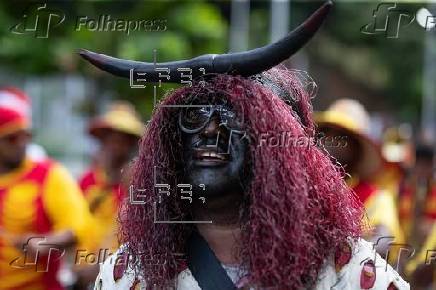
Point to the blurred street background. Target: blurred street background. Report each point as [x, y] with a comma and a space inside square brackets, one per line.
[390, 76]
[389, 66]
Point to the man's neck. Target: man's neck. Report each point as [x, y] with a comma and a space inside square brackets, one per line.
[223, 240]
[223, 234]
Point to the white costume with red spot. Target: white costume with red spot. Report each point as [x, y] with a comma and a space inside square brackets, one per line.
[362, 269]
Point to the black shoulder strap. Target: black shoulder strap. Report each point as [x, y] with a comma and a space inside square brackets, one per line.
[205, 267]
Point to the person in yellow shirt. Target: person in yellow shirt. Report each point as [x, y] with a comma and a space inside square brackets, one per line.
[343, 128]
[42, 211]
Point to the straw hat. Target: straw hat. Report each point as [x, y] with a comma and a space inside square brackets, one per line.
[350, 116]
[122, 117]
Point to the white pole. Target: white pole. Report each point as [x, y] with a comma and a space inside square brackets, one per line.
[428, 117]
[280, 10]
[239, 25]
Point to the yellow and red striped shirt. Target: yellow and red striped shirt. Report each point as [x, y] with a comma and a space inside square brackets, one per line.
[104, 200]
[39, 198]
[380, 207]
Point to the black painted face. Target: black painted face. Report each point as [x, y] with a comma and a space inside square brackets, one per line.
[214, 148]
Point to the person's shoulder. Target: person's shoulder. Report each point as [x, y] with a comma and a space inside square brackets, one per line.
[58, 175]
[357, 266]
[53, 166]
[38, 169]
[368, 270]
[115, 273]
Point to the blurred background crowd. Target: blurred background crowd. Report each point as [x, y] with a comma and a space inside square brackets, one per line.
[375, 85]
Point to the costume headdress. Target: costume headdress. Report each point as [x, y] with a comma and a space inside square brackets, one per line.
[245, 63]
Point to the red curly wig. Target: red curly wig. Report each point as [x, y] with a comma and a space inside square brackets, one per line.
[299, 211]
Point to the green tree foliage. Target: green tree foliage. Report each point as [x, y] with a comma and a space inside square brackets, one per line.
[390, 66]
[187, 28]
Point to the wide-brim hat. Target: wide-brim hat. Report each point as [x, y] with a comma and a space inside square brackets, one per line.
[120, 117]
[351, 117]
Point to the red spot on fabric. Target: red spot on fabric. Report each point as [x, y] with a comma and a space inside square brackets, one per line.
[120, 266]
[342, 256]
[182, 266]
[392, 286]
[368, 275]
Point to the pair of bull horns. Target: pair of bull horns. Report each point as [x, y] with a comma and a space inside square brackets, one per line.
[245, 63]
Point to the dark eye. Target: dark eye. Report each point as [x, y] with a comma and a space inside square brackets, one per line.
[204, 111]
[228, 114]
[196, 114]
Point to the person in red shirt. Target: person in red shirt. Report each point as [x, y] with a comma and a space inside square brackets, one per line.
[118, 131]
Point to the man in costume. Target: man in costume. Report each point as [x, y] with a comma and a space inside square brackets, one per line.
[281, 217]
[347, 121]
[42, 211]
[118, 131]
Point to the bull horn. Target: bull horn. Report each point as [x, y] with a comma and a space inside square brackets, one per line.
[245, 63]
